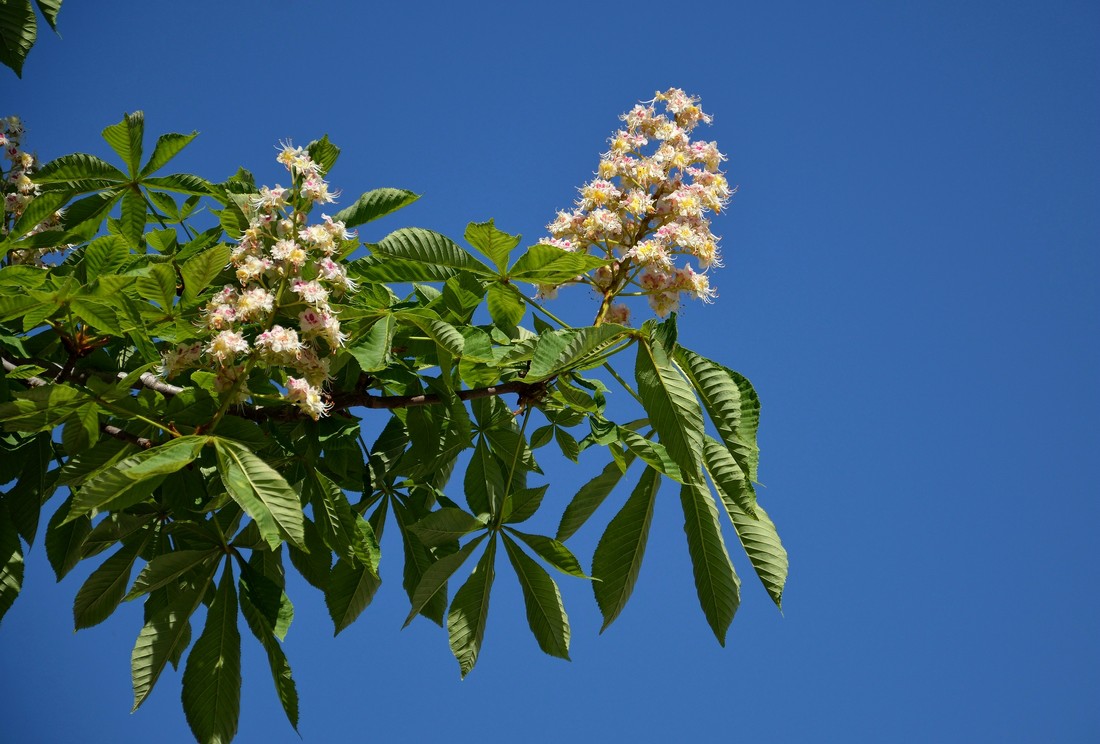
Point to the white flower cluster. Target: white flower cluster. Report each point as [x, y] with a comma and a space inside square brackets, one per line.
[644, 209]
[19, 189]
[286, 270]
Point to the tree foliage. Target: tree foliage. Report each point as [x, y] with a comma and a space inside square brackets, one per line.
[194, 398]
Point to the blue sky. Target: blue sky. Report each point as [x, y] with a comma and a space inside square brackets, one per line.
[910, 282]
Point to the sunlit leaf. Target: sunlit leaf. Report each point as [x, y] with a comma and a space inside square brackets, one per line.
[262, 492]
[374, 204]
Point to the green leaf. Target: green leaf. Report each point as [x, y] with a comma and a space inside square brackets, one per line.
[730, 481]
[446, 525]
[167, 147]
[18, 31]
[469, 611]
[672, 407]
[761, 542]
[324, 153]
[351, 587]
[169, 567]
[49, 10]
[618, 556]
[716, 582]
[158, 283]
[731, 403]
[78, 167]
[105, 255]
[589, 498]
[39, 208]
[548, 264]
[435, 577]
[483, 482]
[99, 315]
[372, 351]
[202, 269]
[11, 561]
[34, 487]
[64, 541]
[212, 678]
[276, 659]
[125, 139]
[652, 453]
[445, 335]
[104, 589]
[262, 492]
[521, 504]
[553, 552]
[133, 216]
[494, 243]
[545, 612]
[560, 351]
[430, 249]
[181, 183]
[316, 565]
[131, 480]
[568, 444]
[342, 529]
[374, 204]
[505, 308]
[166, 633]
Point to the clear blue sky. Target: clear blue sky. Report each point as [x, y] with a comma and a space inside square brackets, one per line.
[911, 283]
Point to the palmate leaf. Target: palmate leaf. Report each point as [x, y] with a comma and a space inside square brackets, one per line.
[351, 587]
[618, 556]
[545, 611]
[39, 208]
[559, 351]
[262, 492]
[201, 269]
[372, 350]
[553, 552]
[716, 583]
[49, 10]
[104, 589]
[731, 403]
[166, 631]
[212, 678]
[64, 541]
[429, 249]
[276, 659]
[11, 561]
[18, 31]
[761, 542]
[434, 578]
[446, 525]
[505, 307]
[125, 138]
[374, 204]
[672, 406]
[469, 611]
[548, 264]
[495, 244]
[167, 147]
[652, 454]
[133, 479]
[729, 479]
[589, 498]
[76, 168]
[169, 567]
[418, 559]
[342, 529]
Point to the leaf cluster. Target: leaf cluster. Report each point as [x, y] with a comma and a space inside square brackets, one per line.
[200, 500]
